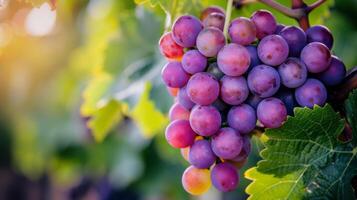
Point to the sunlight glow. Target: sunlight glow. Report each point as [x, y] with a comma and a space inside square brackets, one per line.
[40, 21]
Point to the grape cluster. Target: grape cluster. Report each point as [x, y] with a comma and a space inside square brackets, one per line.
[225, 89]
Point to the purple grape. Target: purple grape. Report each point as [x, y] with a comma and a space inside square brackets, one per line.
[234, 90]
[193, 61]
[184, 99]
[293, 73]
[201, 154]
[212, 9]
[316, 56]
[279, 27]
[288, 98]
[185, 30]
[263, 81]
[311, 93]
[173, 75]
[227, 143]
[225, 177]
[179, 134]
[254, 59]
[242, 118]
[253, 100]
[210, 41]
[233, 59]
[271, 112]
[215, 19]
[264, 22]
[296, 39]
[203, 88]
[215, 71]
[205, 120]
[334, 73]
[273, 50]
[242, 31]
[245, 150]
[177, 111]
[321, 34]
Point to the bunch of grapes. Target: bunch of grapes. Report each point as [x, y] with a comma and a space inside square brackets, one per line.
[225, 89]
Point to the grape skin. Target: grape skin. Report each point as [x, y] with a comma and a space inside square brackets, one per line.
[209, 10]
[233, 59]
[193, 61]
[243, 155]
[271, 112]
[316, 56]
[263, 81]
[210, 40]
[215, 19]
[169, 48]
[203, 88]
[334, 73]
[184, 99]
[179, 134]
[296, 39]
[205, 120]
[173, 75]
[242, 118]
[227, 143]
[242, 31]
[201, 154]
[177, 111]
[311, 93]
[196, 181]
[234, 90]
[185, 30]
[321, 34]
[273, 50]
[265, 23]
[224, 177]
[293, 73]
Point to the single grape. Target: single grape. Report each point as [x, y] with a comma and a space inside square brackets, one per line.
[209, 41]
[224, 177]
[316, 56]
[242, 118]
[233, 59]
[243, 155]
[201, 154]
[273, 50]
[169, 48]
[288, 98]
[215, 71]
[234, 90]
[271, 112]
[177, 111]
[179, 134]
[196, 181]
[203, 88]
[311, 93]
[173, 75]
[193, 61]
[185, 30]
[296, 39]
[227, 143]
[254, 59]
[242, 31]
[265, 23]
[253, 100]
[334, 73]
[214, 19]
[293, 73]
[184, 152]
[263, 81]
[205, 120]
[184, 100]
[279, 27]
[321, 34]
[212, 9]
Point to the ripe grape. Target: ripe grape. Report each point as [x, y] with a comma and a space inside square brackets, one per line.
[215, 19]
[265, 23]
[209, 10]
[210, 41]
[196, 181]
[177, 111]
[224, 177]
[233, 59]
[254, 59]
[215, 71]
[227, 143]
[321, 34]
[184, 99]
[205, 120]
[185, 30]
[316, 57]
[242, 31]
[193, 61]
[234, 90]
[242, 118]
[203, 88]
[311, 93]
[334, 73]
[273, 50]
[263, 81]
[173, 75]
[169, 48]
[179, 134]
[288, 98]
[296, 39]
[271, 112]
[253, 100]
[243, 155]
[293, 73]
[201, 154]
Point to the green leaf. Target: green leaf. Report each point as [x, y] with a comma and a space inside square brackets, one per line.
[304, 159]
[105, 118]
[351, 110]
[146, 115]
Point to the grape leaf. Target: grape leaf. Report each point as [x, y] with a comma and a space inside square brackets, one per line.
[304, 159]
[351, 110]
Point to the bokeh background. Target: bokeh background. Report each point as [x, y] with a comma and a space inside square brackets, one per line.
[82, 106]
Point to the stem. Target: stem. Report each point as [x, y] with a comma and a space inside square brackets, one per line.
[293, 13]
[228, 18]
[311, 7]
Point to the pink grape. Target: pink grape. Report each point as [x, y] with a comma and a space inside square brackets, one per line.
[177, 111]
[233, 59]
[193, 61]
[209, 41]
[225, 177]
[242, 31]
[203, 88]
[264, 22]
[173, 75]
[271, 112]
[169, 48]
[201, 154]
[185, 30]
[179, 134]
[205, 120]
[316, 56]
[242, 118]
[196, 181]
[273, 50]
[234, 90]
[215, 20]
[227, 143]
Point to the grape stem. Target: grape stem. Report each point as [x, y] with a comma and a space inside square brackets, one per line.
[228, 18]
